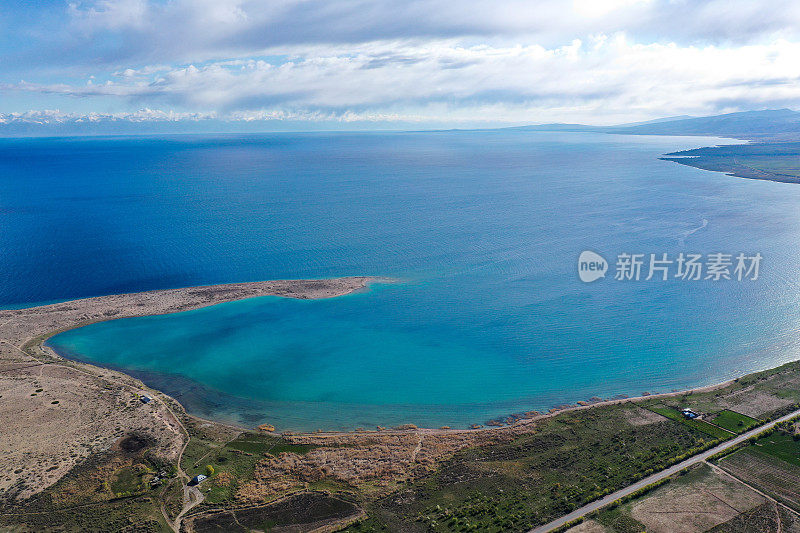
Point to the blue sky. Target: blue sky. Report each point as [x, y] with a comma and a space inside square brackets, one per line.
[382, 62]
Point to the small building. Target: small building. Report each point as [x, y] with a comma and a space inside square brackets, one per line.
[688, 413]
[196, 480]
[145, 399]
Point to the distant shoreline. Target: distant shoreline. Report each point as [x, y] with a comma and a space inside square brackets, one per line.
[768, 161]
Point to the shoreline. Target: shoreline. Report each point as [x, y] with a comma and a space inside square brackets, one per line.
[211, 294]
[301, 289]
[60, 411]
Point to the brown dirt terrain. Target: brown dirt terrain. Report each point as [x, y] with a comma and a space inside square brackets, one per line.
[708, 500]
[44, 440]
[777, 478]
[766, 518]
[643, 417]
[378, 459]
[753, 403]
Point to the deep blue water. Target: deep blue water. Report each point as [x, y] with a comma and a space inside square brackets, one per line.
[484, 229]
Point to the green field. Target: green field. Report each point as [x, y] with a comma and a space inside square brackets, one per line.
[261, 444]
[779, 445]
[736, 422]
[705, 427]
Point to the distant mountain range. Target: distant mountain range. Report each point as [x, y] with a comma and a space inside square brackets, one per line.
[775, 124]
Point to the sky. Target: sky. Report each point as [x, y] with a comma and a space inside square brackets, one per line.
[382, 63]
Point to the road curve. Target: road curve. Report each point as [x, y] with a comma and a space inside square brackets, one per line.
[702, 456]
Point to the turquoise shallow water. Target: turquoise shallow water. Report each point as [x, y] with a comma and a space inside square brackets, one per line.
[484, 229]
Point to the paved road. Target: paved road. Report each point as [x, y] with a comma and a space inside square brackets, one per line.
[602, 502]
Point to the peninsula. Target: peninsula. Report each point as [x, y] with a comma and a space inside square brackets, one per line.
[58, 412]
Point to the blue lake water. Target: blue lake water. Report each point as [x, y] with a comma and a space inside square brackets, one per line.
[484, 229]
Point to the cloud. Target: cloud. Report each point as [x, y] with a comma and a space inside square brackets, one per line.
[51, 117]
[54, 116]
[206, 27]
[601, 79]
[510, 61]
[111, 14]
[123, 33]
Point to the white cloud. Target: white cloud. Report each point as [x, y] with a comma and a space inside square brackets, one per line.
[54, 116]
[602, 79]
[201, 29]
[111, 14]
[598, 61]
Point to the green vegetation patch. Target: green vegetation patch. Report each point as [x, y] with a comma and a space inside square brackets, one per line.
[705, 427]
[736, 422]
[619, 520]
[261, 444]
[140, 514]
[781, 445]
[770, 161]
[572, 458]
[130, 480]
[195, 451]
[293, 512]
